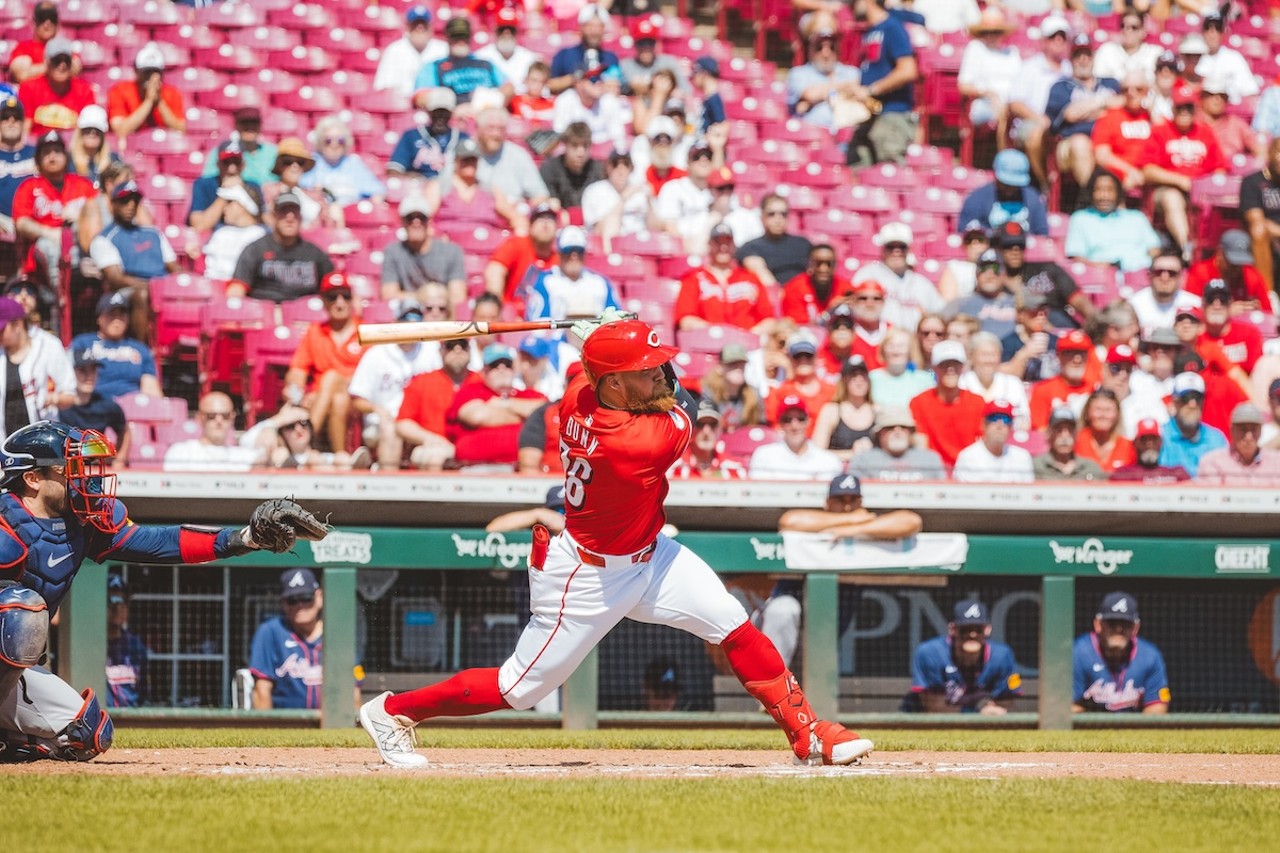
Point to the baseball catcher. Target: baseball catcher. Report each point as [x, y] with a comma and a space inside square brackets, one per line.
[623, 421]
[58, 506]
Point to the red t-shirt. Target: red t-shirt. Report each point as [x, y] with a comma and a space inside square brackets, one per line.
[1250, 286]
[1193, 155]
[123, 98]
[800, 303]
[473, 445]
[814, 400]
[1048, 393]
[49, 110]
[37, 198]
[518, 255]
[1215, 360]
[951, 427]
[318, 352]
[428, 396]
[615, 482]
[740, 300]
[1221, 396]
[1241, 343]
[1126, 133]
[656, 181]
[31, 48]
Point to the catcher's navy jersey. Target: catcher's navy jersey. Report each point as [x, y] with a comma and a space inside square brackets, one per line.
[290, 663]
[933, 669]
[1141, 682]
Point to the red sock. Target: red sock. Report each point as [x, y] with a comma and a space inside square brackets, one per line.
[470, 692]
[751, 654]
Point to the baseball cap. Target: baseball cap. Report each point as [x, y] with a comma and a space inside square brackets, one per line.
[591, 10]
[1120, 606]
[458, 27]
[1169, 59]
[1274, 390]
[150, 56]
[286, 199]
[571, 238]
[801, 343]
[975, 226]
[1032, 301]
[442, 98]
[1212, 20]
[1162, 337]
[662, 676]
[841, 315]
[989, 258]
[1188, 383]
[845, 485]
[92, 117]
[792, 402]
[334, 281]
[722, 177]
[508, 18]
[10, 310]
[721, 232]
[298, 583]
[1190, 311]
[1188, 360]
[127, 190]
[50, 138]
[417, 15]
[1012, 168]
[699, 147]
[412, 204]
[1215, 290]
[732, 353]
[1009, 235]
[118, 301]
[555, 497]
[854, 364]
[1121, 354]
[11, 106]
[498, 352]
[946, 351]
[410, 310]
[1054, 25]
[707, 64]
[662, 126]
[239, 194]
[542, 209]
[894, 416]
[644, 29]
[1247, 413]
[1146, 428]
[1074, 341]
[1237, 248]
[969, 612]
[867, 285]
[466, 149]
[58, 46]
[230, 151]
[1215, 85]
[997, 408]
[675, 106]
[1193, 45]
[117, 592]
[708, 411]
[1062, 415]
[894, 232]
[1081, 43]
[1184, 94]
[535, 347]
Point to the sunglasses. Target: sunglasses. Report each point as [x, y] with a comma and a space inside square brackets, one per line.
[1162, 272]
[286, 162]
[1117, 369]
[443, 309]
[453, 345]
[335, 140]
[296, 600]
[786, 419]
[976, 238]
[57, 61]
[999, 419]
[708, 425]
[823, 262]
[931, 333]
[94, 130]
[868, 299]
[416, 219]
[661, 139]
[701, 155]
[727, 189]
[895, 247]
[334, 296]
[502, 362]
[304, 424]
[1184, 108]
[772, 213]
[1132, 27]
[217, 416]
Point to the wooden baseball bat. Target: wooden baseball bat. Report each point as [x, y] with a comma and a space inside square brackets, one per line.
[440, 330]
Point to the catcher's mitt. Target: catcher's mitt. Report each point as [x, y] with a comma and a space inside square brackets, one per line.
[277, 524]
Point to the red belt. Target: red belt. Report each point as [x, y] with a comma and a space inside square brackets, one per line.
[592, 559]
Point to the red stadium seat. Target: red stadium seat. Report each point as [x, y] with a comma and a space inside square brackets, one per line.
[267, 353]
[742, 442]
[304, 17]
[195, 81]
[232, 16]
[223, 322]
[303, 312]
[712, 339]
[264, 38]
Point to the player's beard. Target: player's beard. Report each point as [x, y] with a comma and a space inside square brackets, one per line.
[660, 402]
[967, 650]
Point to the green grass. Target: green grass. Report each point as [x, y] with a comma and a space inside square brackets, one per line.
[820, 814]
[1245, 741]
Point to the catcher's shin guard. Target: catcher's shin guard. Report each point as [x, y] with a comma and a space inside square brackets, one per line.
[814, 741]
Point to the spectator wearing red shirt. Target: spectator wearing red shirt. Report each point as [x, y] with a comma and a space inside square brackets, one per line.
[1101, 436]
[1121, 136]
[27, 59]
[947, 417]
[46, 205]
[1232, 267]
[146, 101]
[722, 291]
[805, 382]
[53, 101]
[325, 359]
[1224, 379]
[1239, 339]
[507, 274]
[485, 418]
[421, 419]
[837, 349]
[705, 459]
[1179, 152]
[1070, 385]
[816, 291]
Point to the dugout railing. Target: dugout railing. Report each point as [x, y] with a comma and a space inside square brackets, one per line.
[1213, 604]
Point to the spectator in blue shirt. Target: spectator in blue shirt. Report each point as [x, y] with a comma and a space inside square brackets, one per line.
[1185, 440]
[1106, 233]
[811, 87]
[1075, 103]
[129, 255]
[1009, 198]
[889, 71]
[427, 151]
[127, 654]
[207, 206]
[337, 170]
[571, 63]
[17, 158]
[462, 71]
[126, 365]
[706, 79]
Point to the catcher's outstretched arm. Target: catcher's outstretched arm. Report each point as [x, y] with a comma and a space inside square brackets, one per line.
[168, 544]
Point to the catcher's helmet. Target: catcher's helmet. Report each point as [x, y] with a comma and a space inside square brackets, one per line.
[82, 454]
[623, 346]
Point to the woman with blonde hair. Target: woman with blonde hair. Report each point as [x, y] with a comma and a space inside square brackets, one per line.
[845, 426]
[898, 380]
[1100, 437]
[89, 152]
[339, 172]
[931, 329]
[727, 387]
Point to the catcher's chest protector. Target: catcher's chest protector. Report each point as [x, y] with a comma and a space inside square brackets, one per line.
[42, 554]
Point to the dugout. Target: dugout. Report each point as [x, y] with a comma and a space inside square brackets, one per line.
[414, 590]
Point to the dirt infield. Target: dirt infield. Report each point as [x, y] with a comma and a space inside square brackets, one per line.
[1262, 770]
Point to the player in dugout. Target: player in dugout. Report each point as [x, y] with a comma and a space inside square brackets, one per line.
[623, 421]
[965, 670]
[57, 508]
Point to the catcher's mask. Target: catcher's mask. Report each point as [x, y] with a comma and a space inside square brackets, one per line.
[83, 456]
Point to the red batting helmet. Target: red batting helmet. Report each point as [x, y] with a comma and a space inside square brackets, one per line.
[623, 346]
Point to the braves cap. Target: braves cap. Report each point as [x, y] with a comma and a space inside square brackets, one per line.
[230, 151]
[662, 676]
[126, 191]
[417, 15]
[555, 497]
[946, 351]
[117, 592]
[1120, 606]
[708, 411]
[298, 583]
[118, 301]
[1147, 427]
[970, 612]
[845, 486]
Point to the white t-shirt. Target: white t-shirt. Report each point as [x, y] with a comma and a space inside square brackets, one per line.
[1112, 61]
[224, 248]
[977, 464]
[1038, 77]
[608, 118]
[194, 455]
[681, 202]
[1231, 67]
[400, 64]
[947, 16]
[1152, 315]
[600, 198]
[515, 67]
[384, 370]
[994, 71]
[777, 462]
[907, 298]
[1145, 400]
[1003, 387]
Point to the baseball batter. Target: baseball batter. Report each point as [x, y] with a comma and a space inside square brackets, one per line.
[620, 429]
[58, 507]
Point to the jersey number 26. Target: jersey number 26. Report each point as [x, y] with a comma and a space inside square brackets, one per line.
[577, 473]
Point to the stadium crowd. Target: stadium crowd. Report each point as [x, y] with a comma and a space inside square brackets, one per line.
[225, 193]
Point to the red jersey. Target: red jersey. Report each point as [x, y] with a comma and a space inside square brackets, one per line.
[1193, 155]
[721, 469]
[123, 98]
[814, 400]
[1215, 360]
[1126, 133]
[615, 470]
[37, 198]
[656, 181]
[428, 396]
[1241, 342]
[740, 300]
[318, 352]
[1221, 396]
[33, 49]
[1250, 286]
[474, 445]
[533, 108]
[950, 427]
[800, 302]
[51, 111]
[518, 255]
[1048, 393]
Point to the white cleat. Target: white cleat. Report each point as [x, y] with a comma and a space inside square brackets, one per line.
[394, 736]
[845, 748]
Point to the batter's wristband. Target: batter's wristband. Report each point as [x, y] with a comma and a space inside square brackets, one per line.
[538, 552]
[197, 546]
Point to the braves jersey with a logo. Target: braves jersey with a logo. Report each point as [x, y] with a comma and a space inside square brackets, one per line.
[1141, 682]
[418, 150]
[126, 671]
[49, 205]
[615, 466]
[122, 363]
[15, 167]
[932, 668]
[141, 249]
[553, 293]
[292, 665]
